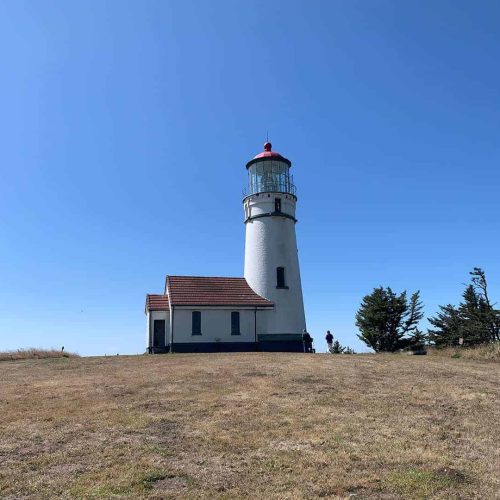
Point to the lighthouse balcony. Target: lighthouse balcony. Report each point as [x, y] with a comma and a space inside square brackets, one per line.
[270, 187]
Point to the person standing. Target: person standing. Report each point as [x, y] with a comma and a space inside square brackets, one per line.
[307, 340]
[329, 340]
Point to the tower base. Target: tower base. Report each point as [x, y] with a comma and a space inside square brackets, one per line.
[280, 342]
[265, 343]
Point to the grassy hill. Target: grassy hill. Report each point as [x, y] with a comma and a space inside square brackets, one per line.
[250, 425]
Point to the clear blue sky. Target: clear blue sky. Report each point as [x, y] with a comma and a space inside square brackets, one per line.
[125, 129]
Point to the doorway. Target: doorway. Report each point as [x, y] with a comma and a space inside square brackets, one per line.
[159, 333]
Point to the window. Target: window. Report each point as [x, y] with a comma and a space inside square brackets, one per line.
[280, 277]
[196, 323]
[277, 204]
[235, 323]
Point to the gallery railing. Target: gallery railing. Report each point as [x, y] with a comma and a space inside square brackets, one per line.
[270, 187]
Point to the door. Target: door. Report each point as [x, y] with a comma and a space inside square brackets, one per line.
[159, 333]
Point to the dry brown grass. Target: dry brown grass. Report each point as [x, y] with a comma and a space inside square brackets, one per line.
[485, 352]
[249, 426]
[34, 353]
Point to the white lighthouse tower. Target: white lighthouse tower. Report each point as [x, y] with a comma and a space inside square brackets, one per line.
[271, 258]
[264, 310]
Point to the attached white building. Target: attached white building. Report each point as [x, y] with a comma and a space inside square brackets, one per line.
[264, 310]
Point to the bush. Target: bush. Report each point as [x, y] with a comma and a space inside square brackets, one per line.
[484, 352]
[337, 348]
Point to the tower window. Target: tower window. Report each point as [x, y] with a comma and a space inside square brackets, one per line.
[280, 277]
[277, 204]
[235, 323]
[196, 323]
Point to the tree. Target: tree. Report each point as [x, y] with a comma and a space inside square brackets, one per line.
[447, 326]
[385, 319]
[418, 338]
[474, 315]
[337, 348]
[490, 315]
[475, 320]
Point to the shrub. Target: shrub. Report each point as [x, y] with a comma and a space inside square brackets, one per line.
[484, 352]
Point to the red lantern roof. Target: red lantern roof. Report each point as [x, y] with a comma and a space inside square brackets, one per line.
[268, 154]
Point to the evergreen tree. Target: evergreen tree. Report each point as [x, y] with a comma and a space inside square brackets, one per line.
[474, 313]
[490, 316]
[385, 318]
[475, 320]
[418, 338]
[337, 348]
[447, 326]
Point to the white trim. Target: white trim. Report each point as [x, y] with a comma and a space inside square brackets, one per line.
[171, 317]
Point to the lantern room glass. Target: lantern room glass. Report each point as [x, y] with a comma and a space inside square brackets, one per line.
[269, 177]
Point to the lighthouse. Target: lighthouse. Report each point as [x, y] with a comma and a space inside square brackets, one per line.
[271, 256]
[262, 311]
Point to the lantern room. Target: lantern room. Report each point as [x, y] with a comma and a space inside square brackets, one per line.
[269, 172]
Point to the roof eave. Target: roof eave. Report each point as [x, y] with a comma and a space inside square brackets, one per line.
[269, 158]
[268, 306]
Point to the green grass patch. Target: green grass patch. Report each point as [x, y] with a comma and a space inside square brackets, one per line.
[151, 478]
[419, 483]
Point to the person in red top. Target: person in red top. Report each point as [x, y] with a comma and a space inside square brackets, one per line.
[329, 340]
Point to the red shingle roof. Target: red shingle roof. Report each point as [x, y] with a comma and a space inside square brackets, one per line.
[212, 291]
[156, 302]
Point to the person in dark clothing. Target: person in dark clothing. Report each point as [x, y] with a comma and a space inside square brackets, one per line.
[329, 340]
[307, 340]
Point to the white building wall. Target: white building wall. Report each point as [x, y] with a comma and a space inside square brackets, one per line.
[216, 325]
[270, 243]
[151, 316]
